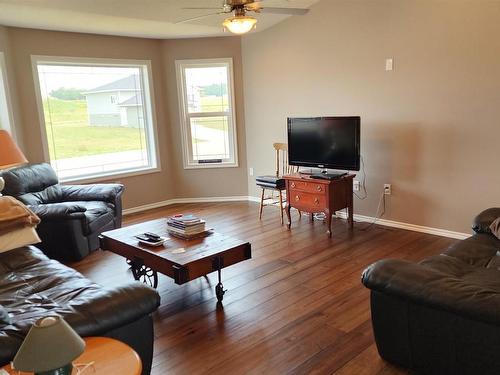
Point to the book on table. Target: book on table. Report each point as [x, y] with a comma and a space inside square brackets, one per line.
[186, 225]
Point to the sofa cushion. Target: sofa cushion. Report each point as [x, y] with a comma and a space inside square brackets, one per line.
[28, 179]
[32, 286]
[477, 250]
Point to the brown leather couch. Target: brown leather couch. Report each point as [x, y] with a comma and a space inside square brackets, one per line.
[33, 286]
[442, 315]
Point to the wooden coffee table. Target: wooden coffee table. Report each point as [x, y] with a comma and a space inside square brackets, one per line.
[182, 260]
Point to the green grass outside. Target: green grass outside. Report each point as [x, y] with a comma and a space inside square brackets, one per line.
[67, 127]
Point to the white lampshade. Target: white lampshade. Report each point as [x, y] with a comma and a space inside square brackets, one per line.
[239, 24]
[50, 344]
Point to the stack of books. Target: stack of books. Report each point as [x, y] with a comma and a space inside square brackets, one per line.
[186, 226]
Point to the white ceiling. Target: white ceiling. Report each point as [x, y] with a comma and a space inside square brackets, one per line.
[139, 18]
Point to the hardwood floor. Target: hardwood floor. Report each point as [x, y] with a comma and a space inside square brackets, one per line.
[296, 307]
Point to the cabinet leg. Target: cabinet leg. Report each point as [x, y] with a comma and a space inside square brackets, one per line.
[281, 206]
[288, 215]
[329, 222]
[351, 216]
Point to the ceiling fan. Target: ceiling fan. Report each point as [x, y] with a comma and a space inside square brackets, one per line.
[240, 22]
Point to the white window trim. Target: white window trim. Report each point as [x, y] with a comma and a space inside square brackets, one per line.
[154, 152]
[181, 95]
[8, 118]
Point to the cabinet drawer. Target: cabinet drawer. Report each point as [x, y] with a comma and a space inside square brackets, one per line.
[307, 200]
[308, 187]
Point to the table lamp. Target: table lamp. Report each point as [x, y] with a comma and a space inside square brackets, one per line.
[49, 348]
[10, 155]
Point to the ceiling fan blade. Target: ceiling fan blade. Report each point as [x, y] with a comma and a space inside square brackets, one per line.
[199, 17]
[290, 11]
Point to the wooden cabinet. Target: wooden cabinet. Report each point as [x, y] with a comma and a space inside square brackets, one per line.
[315, 195]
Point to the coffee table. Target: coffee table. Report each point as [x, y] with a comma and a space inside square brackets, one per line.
[182, 260]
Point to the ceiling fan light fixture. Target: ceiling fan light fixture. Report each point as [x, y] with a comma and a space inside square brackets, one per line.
[240, 24]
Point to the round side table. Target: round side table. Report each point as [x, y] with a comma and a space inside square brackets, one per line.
[108, 356]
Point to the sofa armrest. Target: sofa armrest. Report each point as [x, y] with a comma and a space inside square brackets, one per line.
[97, 192]
[57, 211]
[476, 297]
[482, 222]
[113, 308]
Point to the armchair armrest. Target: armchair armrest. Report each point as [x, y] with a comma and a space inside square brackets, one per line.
[112, 308]
[96, 192]
[482, 222]
[55, 211]
[472, 292]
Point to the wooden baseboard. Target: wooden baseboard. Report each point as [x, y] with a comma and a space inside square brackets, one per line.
[359, 218]
[169, 202]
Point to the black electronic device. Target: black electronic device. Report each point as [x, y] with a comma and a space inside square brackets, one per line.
[325, 142]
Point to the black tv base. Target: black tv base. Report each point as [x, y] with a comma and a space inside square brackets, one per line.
[329, 176]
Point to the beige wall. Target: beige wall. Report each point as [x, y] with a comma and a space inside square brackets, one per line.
[171, 182]
[430, 127]
[219, 182]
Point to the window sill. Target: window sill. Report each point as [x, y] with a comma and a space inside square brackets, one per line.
[211, 166]
[109, 176]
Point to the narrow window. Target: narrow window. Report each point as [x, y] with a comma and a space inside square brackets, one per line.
[207, 113]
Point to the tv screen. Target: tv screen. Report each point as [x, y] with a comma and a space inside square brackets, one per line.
[324, 142]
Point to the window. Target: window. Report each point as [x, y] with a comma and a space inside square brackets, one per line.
[207, 113]
[97, 116]
[6, 121]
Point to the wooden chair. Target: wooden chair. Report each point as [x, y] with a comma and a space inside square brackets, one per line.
[276, 182]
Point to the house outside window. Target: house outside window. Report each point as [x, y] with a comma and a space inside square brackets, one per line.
[207, 113]
[97, 116]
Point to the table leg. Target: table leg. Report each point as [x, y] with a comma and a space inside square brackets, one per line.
[219, 288]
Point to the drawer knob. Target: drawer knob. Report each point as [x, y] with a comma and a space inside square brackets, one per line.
[297, 198]
[293, 184]
[319, 188]
[316, 200]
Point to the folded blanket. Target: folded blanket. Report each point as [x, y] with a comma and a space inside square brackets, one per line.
[15, 215]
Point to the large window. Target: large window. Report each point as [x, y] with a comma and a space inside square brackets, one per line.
[207, 113]
[97, 116]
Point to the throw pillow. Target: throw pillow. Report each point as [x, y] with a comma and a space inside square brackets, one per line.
[18, 238]
[495, 227]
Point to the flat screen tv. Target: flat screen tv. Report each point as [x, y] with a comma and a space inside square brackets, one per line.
[325, 142]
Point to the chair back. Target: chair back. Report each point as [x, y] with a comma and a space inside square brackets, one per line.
[282, 166]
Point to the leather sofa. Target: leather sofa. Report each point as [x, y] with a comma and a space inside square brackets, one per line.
[73, 216]
[442, 315]
[33, 286]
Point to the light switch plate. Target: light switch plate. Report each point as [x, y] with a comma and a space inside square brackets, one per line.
[389, 65]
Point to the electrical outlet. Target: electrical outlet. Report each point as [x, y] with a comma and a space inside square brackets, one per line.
[355, 185]
[387, 189]
[250, 171]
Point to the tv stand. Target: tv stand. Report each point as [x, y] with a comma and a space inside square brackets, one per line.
[319, 195]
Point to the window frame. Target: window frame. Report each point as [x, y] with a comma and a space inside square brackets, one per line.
[5, 97]
[150, 111]
[180, 66]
